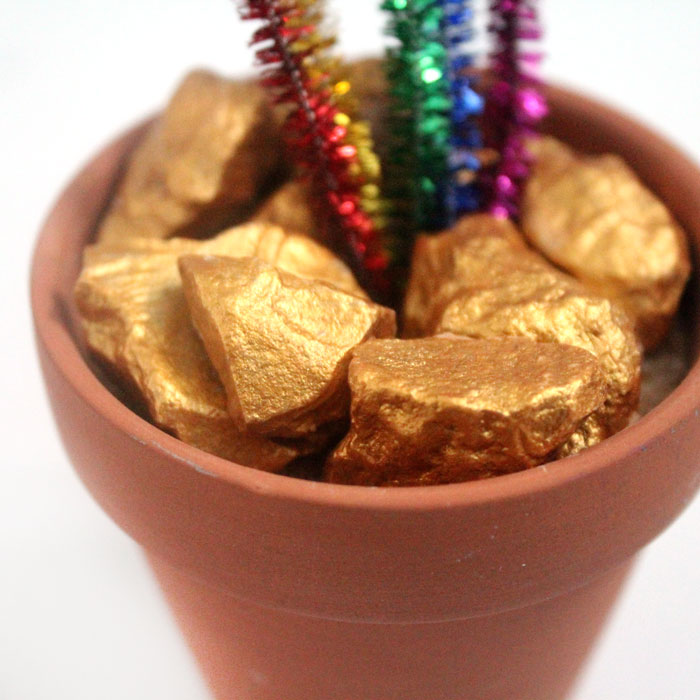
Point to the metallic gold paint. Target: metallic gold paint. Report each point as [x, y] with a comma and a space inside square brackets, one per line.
[442, 410]
[290, 207]
[593, 217]
[202, 164]
[281, 344]
[292, 252]
[135, 317]
[480, 280]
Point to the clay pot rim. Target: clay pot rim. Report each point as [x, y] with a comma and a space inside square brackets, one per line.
[67, 357]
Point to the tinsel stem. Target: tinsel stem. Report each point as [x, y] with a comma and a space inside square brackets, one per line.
[320, 136]
[463, 191]
[416, 171]
[515, 103]
[326, 72]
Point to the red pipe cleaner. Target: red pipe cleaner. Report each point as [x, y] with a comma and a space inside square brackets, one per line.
[315, 134]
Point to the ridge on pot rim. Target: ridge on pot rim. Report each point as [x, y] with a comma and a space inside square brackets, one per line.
[345, 552]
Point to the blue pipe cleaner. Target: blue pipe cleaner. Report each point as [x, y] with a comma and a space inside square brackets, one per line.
[463, 193]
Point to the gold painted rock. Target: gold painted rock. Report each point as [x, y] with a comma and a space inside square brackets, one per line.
[593, 217]
[479, 280]
[370, 90]
[290, 207]
[136, 319]
[478, 250]
[201, 166]
[281, 344]
[441, 410]
[294, 253]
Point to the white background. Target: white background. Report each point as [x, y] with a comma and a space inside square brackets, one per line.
[80, 616]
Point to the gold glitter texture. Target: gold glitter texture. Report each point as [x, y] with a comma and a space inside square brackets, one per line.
[135, 317]
[295, 253]
[441, 410]
[593, 217]
[479, 280]
[281, 344]
[290, 207]
[201, 166]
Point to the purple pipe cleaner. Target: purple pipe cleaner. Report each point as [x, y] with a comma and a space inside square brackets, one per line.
[515, 104]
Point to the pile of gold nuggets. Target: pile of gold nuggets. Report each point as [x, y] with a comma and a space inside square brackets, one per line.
[209, 298]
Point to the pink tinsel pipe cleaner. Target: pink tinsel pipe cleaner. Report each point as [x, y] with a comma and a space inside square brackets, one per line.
[515, 103]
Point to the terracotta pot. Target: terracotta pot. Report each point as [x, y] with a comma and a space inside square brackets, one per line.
[291, 590]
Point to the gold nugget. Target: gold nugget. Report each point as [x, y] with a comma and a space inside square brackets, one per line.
[369, 90]
[479, 280]
[593, 217]
[441, 410]
[296, 254]
[281, 344]
[201, 166]
[291, 208]
[478, 251]
[135, 318]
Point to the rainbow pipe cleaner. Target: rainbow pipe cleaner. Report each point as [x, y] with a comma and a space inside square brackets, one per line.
[325, 72]
[419, 122]
[331, 148]
[463, 192]
[515, 104]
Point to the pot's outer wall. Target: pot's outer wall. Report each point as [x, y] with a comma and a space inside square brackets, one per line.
[355, 553]
[247, 652]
